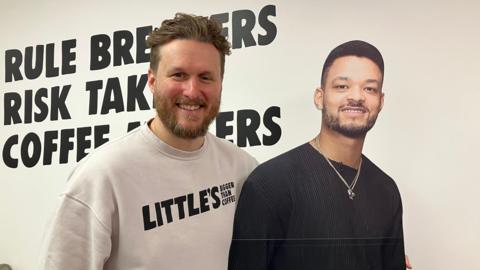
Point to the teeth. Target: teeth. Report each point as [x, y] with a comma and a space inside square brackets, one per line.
[189, 107]
[353, 110]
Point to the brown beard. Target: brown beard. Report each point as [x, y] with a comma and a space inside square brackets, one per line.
[165, 109]
[351, 131]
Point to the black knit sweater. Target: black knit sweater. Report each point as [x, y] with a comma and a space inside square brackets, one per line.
[294, 213]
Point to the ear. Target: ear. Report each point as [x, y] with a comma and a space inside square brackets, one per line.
[381, 101]
[151, 80]
[318, 98]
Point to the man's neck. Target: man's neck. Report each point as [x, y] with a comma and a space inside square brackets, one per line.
[340, 148]
[167, 137]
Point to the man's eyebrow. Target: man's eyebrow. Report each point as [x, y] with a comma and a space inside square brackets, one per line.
[206, 72]
[174, 69]
[372, 81]
[342, 78]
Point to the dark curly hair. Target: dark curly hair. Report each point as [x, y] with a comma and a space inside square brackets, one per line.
[186, 26]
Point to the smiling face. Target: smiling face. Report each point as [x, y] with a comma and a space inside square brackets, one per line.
[351, 97]
[187, 87]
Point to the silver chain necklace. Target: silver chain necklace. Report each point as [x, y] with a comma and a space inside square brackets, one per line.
[350, 188]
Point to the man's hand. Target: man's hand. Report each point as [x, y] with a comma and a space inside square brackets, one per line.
[407, 262]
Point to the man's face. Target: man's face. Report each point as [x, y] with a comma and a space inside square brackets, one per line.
[187, 87]
[352, 96]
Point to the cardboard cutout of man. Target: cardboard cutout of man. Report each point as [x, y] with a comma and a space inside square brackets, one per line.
[324, 205]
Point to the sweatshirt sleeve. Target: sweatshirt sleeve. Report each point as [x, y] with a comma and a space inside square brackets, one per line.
[77, 239]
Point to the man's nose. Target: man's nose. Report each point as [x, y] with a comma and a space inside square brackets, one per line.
[192, 88]
[356, 93]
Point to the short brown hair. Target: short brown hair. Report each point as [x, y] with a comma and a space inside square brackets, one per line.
[185, 26]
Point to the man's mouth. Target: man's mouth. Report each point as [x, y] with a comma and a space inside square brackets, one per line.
[189, 107]
[190, 104]
[350, 109]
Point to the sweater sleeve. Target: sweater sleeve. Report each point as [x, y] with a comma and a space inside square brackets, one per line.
[77, 239]
[256, 229]
[394, 251]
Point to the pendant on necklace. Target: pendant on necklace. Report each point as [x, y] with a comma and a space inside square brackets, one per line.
[351, 194]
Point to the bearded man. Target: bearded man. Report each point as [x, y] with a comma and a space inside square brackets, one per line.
[163, 196]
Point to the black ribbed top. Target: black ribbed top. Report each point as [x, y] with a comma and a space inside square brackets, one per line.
[294, 213]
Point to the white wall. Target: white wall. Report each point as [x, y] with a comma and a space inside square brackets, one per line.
[426, 137]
